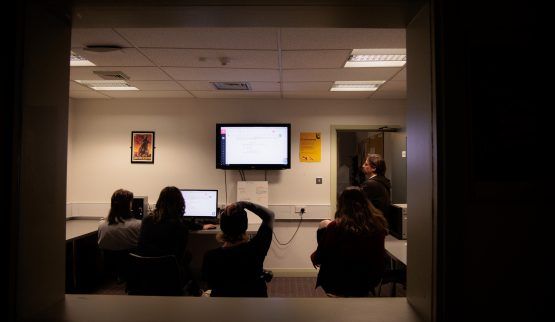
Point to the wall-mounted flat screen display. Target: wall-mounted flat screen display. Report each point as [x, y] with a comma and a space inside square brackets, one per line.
[253, 146]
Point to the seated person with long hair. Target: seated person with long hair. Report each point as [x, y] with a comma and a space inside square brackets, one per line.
[118, 234]
[120, 231]
[351, 249]
[236, 268]
[165, 232]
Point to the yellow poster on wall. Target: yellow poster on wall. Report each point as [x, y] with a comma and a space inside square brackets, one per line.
[310, 147]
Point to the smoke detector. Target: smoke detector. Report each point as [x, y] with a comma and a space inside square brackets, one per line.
[232, 86]
[224, 60]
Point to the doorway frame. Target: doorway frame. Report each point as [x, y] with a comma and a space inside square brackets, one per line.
[333, 152]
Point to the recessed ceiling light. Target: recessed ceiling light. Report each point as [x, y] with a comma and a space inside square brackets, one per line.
[79, 61]
[395, 57]
[107, 85]
[355, 86]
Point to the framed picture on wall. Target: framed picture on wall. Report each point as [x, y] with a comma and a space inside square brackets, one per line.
[142, 146]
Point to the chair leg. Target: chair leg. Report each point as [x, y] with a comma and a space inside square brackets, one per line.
[393, 289]
[379, 288]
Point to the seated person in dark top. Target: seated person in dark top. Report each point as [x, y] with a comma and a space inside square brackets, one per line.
[236, 268]
[165, 232]
[351, 249]
[377, 187]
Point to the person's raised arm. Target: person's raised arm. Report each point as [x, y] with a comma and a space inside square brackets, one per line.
[264, 213]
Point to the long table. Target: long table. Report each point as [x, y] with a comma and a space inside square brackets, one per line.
[82, 251]
[396, 248]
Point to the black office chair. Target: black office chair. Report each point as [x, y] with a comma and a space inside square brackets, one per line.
[394, 273]
[244, 290]
[116, 263]
[267, 275]
[154, 275]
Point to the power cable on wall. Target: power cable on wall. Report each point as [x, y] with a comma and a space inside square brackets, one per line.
[295, 233]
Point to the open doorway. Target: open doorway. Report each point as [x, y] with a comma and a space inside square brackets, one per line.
[354, 145]
[349, 146]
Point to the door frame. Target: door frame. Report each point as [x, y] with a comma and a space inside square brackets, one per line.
[333, 152]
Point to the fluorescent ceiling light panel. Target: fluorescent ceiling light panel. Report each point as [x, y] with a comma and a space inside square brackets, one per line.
[394, 57]
[79, 61]
[355, 86]
[108, 85]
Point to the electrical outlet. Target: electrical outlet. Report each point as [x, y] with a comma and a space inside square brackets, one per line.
[298, 209]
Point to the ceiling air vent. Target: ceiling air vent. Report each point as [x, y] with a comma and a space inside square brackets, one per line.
[111, 75]
[102, 48]
[232, 86]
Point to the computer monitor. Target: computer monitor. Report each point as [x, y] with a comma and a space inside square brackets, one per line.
[139, 206]
[200, 203]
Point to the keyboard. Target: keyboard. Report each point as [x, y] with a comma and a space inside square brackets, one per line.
[205, 221]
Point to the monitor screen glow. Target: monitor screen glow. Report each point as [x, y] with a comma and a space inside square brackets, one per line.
[253, 146]
[200, 203]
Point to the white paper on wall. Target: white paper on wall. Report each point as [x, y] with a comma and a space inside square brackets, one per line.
[255, 192]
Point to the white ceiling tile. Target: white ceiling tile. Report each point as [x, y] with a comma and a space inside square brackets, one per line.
[341, 38]
[147, 94]
[87, 94]
[207, 86]
[222, 74]
[340, 74]
[307, 86]
[393, 86]
[73, 86]
[213, 58]
[134, 73]
[123, 57]
[197, 85]
[401, 76]
[235, 94]
[156, 85]
[389, 95]
[327, 95]
[265, 86]
[228, 38]
[314, 58]
[81, 37]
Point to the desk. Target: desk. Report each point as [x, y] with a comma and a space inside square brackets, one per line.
[82, 252]
[81, 255]
[79, 228]
[396, 270]
[396, 248]
[251, 230]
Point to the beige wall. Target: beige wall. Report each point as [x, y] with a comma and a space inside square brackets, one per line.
[99, 154]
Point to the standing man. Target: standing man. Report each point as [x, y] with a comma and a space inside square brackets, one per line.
[377, 187]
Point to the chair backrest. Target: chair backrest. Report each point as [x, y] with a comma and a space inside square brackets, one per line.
[238, 288]
[116, 262]
[154, 275]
